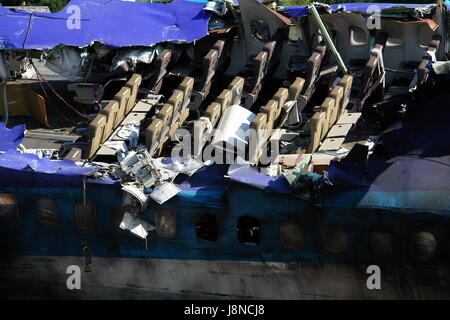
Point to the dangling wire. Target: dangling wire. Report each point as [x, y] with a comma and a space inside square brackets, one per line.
[41, 78]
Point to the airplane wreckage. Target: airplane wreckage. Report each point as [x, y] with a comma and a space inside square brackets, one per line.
[225, 149]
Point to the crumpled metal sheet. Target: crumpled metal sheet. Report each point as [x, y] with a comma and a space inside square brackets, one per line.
[11, 138]
[251, 176]
[112, 22]
[299, 11]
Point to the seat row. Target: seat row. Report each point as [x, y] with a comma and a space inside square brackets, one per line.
[326, 115]
[110, 117]
[169, 118]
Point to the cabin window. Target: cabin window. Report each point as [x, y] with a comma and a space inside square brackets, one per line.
[165, 223]
[335, 238]
[294, 35]
[46, 212]
[380, 243]
[291, 235]
[8, 208]
[248, 231]
[260, 30]
[423, 246]
[206, 229]
[84, 214]
[358, 37]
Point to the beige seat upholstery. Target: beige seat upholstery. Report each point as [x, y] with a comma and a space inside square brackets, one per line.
[122, 97]
[187, 85]
[162, 62]
[312, 70]
[296, 88]
[200, 128]
[328, 108]
[270, 109]
[316, 125]
[176, 100]
[133, 84]
[346, 82]
[280, 96]
[337, 94]
[238, 84]
[165, 114]
[153, 135]
[213, 112]
[110, 112]
[95, 134]
[225, 99]
[258, 130]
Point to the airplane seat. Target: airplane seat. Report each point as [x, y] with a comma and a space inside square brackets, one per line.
[280, 97]
[258, 136]
[122, 97]
[270, 109]
[95, 133]
[133, 84]
[225, 99]
[110, 112]
[316, 125]
[213, 112]
[153, 135]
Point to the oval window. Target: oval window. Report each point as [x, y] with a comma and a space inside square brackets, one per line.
[8, 208]
[248, 231]
[335, 238]
[291, 235]
[165, 223]
[84, 214]
[260, 30]
[423, 246]
[46, 212]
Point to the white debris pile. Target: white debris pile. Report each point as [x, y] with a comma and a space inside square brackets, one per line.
[138, 172]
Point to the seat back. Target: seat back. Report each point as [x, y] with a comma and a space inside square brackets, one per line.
[153, 135]
[280, 96]
[95, 134]
[133, 84]
[312, 70]
[122, 97]
[258, 130]
[236, 86]
[368, 74]
[187, 85]
[162, 62]
[110, 112]
[270, 109]
[225, 99]
[165, 114]
[316, 126]
[346, 82]
[176, 100]
[296, 88]
[213, 112]
[337, 94]
[328, 107]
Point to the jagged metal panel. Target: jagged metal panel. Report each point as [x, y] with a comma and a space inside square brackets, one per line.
[114, 23]
[298, 11]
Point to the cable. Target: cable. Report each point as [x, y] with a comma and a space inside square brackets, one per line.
[56, 94]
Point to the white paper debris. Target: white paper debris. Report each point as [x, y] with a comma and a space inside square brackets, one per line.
[136, 226]
[164, 192]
